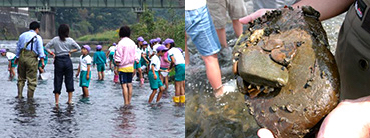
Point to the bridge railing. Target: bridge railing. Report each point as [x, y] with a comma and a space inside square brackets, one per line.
[94, 3]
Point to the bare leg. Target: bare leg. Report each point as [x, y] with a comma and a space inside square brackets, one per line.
[110, 65]
[129, 85]
[125, 93]
[182, 88]
[152, 96]
[159, 96]
[134, 73]
[99, 76]
[221, 33]
[70, 94]
[213, 73]
[85, 91]
[102, 75]
[166, 83]
[56, 98]
[140, 73]
[161, 77]
[177, 88]
[238, 27]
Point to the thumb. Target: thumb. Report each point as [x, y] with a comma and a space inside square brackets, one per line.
[265, 133]
[253, 16]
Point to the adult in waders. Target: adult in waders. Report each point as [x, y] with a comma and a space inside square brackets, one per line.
[29, 47]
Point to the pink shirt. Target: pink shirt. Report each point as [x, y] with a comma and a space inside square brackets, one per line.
[164, 64]
[125, 52]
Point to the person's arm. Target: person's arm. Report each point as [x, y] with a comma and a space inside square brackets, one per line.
[18, 49]
[165, 58]
[47, 47]
[40, 50]
[327, 9]
[88, 72]
[117, 55]
[78, 70]
[76, 46]
[107, 53]
[349, 119]
[105, 59]
[154, 75]
[172, 62]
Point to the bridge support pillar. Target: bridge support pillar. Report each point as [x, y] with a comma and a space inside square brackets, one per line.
[47, 29]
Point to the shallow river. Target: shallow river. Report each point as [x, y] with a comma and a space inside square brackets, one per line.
[102, 116]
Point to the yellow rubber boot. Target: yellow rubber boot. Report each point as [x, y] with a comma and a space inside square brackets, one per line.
[176, 99]
[182, 98]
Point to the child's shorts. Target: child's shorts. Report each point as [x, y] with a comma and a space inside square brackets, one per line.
[83, 81]
[125, 77]
[154, 84]
[111, 54]
[180, 72]
[164, 74]
[219, 9]
[100, 67]
[200, 28]
[13, 64]
[137, 65]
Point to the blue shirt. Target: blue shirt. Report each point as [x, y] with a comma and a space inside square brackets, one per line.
[99, 57]
[37, 43]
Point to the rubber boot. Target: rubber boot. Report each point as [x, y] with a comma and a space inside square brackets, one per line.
[30, 93]
[176, 99]
[115, 79]
[142, 81]
[20, 90]
[182, 98]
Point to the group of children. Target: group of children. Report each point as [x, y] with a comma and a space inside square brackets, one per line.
[156, 59]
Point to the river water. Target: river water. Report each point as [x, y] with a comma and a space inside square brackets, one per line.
[102, 116]
[227, 117]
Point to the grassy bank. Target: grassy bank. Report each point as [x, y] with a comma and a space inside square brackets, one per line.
[149, 27]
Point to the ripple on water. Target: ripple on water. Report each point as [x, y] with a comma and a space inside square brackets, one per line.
[102, 116]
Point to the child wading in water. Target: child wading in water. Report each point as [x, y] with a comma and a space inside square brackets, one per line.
[84, 67]
[137, 64]
[177, 59]
[154, 80]
[100, 60]
[125, 58]
[165, 63]
[11, 58]
[144, 57]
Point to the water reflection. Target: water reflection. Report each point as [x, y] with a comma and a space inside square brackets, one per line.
[63, 122]
[126, 119]
[25, 111]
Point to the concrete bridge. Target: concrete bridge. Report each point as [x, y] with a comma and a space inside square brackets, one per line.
[46, 7]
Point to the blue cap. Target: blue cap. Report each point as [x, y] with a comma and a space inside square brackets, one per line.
[114, 44]
[168, 41]
[161, 48]
[140, 39]
[87, 47]
[2, 50]
[99, 47]
[158, 39]
[145, 43]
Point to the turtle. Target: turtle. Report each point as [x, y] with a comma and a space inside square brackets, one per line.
[286, 71]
